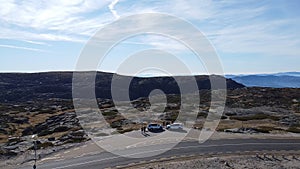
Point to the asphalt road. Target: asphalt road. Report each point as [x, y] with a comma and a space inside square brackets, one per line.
[106, 159]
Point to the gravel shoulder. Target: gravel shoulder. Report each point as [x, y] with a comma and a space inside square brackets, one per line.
[278, 161]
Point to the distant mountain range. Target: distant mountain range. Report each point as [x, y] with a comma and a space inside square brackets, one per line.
[275, 80]
[20, 87]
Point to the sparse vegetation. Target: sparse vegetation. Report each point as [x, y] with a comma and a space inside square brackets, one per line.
[125, 130]
[111, 113]
[202, 114]
[293, 130]
[258, 116]
[45, 145]
[267, 129]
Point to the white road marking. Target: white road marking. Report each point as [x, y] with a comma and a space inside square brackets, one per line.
[48, 158]
[87, 162]
[154, 142]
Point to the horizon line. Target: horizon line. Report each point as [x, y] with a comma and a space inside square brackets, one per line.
[145, 75]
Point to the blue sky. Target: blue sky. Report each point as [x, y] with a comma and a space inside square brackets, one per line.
[249, 36]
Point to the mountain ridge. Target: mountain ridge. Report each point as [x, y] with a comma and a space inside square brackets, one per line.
[275, 80]
[45, 85]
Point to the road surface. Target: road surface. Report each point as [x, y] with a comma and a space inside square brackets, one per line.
[186, 148]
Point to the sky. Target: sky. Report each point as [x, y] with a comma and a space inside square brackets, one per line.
[248, 36]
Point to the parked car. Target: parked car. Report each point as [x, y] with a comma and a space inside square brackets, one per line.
[175, 126]
[154, 127]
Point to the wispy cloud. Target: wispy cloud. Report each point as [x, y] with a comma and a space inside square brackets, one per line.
[36, 42]
[22, 48]
[111, 7]
[232, 26]
[51, 20]
[261, 38]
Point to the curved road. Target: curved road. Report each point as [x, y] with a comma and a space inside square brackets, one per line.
[105, 159]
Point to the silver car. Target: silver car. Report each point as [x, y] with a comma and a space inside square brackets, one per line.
[175, 126]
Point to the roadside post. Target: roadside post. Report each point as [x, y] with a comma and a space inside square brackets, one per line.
[34, 138]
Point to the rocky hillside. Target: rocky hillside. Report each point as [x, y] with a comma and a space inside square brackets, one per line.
[20, 87]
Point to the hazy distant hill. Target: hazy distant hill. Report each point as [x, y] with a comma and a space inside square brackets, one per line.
[31, 86]
[297, 74]
[276, 80]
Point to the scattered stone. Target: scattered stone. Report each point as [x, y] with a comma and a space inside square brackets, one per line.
[242, 130]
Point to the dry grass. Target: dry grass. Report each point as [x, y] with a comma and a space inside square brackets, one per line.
[56, 135]
[259, 116]
[3, 138]
[228, 124]
[267, 124]
[35, 119]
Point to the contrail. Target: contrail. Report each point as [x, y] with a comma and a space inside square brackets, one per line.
[111, 7]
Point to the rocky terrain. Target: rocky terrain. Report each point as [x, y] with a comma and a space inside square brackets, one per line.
[53, 121]
[41, 104]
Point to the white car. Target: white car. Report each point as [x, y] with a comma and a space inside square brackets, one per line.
[175, 126]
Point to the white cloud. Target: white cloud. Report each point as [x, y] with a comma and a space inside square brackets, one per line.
[111, 7]
[263, 37]
[22, 48]
[14, 34]
[164, 43]
[52, 20]
[232, 26]
[35, 42]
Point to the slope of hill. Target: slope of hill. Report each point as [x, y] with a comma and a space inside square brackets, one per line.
[19, 87]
